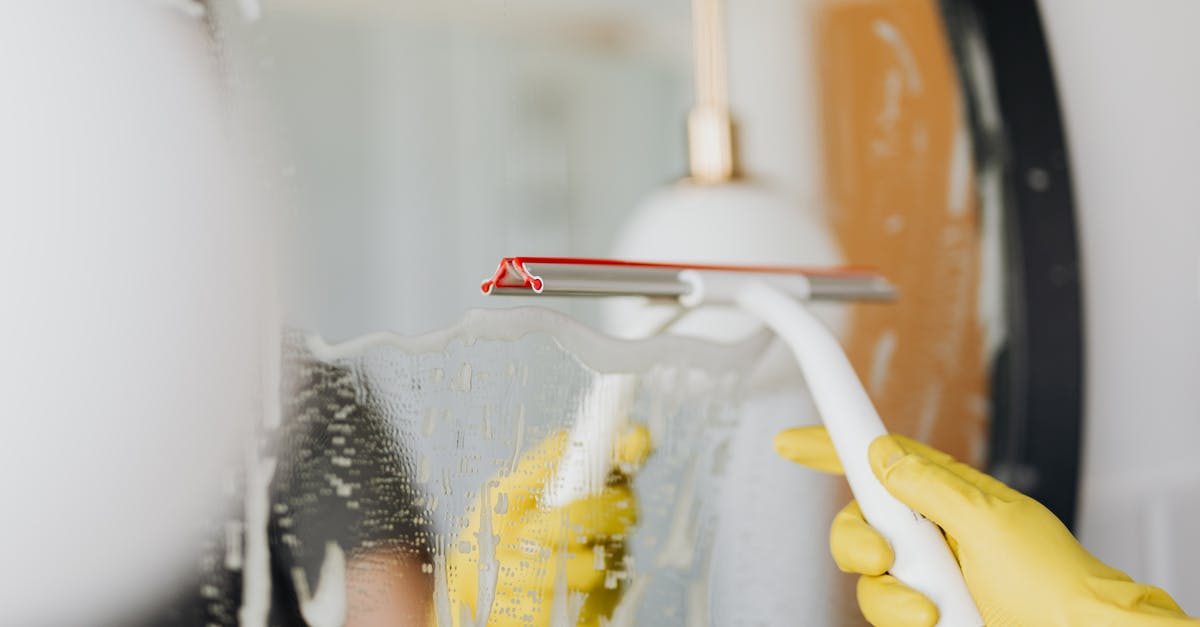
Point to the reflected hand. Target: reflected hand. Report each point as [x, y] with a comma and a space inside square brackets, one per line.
[548, 563]
[1021, 564]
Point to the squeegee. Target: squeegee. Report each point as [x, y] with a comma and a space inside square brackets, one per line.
[774, 295]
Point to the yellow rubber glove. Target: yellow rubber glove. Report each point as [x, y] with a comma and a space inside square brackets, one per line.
[586, 539]
[1021, 564]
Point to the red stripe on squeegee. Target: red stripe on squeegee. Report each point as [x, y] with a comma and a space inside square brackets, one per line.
[528, 280]
[831, 272]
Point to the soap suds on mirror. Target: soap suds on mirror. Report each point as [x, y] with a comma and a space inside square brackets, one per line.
[327, 607]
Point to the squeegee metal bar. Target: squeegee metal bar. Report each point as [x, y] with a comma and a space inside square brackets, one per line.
[559, 276]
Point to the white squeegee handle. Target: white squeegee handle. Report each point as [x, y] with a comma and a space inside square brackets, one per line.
[923, 560]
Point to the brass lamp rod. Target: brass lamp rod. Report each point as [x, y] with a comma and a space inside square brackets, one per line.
[710, 126]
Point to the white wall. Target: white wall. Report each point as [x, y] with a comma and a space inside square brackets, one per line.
[129, 266]
[1129, 79]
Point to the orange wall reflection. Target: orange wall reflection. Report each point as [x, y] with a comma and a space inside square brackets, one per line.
[900, 187]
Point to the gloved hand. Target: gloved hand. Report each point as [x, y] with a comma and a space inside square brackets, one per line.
[532, 546]
[1021, 564]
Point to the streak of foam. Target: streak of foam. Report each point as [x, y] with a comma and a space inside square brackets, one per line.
[625, 614]
[679, 551]
[260, 470]
[958, 182]
[979, 72]
[991, 302]
[587, 460]
[489, 566]
[559, 601]
[519, 439]
[463, 382]
[599, 352]
[327, 607]
[886, 31]
[893, 92]
[575, 602]
[424, 469]
[256, 574]
[233, 545]
[565, 604]
[441, 587]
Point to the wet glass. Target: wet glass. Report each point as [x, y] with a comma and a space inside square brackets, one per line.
[363, 502]
[468, 411]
